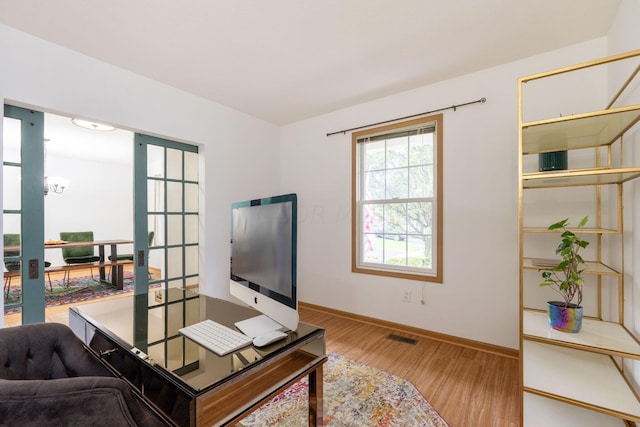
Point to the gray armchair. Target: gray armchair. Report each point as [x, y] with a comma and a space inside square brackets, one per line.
[49, 378]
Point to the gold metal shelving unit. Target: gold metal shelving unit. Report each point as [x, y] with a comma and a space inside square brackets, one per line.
[579, 379]
[596, 129]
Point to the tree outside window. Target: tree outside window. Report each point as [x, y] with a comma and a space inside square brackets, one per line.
[397, 200]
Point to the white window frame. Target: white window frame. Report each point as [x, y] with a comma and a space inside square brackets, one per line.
[359, 265]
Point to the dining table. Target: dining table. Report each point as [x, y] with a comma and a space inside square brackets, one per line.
[117, 269]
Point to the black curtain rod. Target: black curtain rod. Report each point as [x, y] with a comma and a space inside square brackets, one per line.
[453, 107]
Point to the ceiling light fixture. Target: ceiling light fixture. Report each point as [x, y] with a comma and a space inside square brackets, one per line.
[92, 125]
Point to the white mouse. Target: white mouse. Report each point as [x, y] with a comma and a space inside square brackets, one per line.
[268, 338]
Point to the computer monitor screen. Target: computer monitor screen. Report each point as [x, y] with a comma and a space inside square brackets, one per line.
[263, 256]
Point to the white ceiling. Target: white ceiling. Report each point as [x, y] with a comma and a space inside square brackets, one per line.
[287, 60]
[63, 138]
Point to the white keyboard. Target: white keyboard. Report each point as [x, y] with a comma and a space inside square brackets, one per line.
[216, 337]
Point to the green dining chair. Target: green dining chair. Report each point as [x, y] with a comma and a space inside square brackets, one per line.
[13, 267]
[80, 254]
[129, 257]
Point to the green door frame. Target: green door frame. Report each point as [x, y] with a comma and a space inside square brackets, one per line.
[142, 213]
[31, 211]
[141, 209]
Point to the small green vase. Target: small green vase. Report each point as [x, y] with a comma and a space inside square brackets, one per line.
[553, 161]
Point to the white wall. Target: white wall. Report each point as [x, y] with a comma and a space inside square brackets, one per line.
[99, 199]
[239, 152]
[478, 299]
[624, 36]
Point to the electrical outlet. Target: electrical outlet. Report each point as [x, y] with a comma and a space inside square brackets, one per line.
[406, 295]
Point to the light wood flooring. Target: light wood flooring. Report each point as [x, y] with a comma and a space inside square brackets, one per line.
[468, 387]
[59, 314]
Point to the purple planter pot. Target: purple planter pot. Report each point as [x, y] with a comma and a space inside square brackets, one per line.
[566, 319]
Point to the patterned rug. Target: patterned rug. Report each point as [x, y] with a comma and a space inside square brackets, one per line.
[80, 289]
[354, 395]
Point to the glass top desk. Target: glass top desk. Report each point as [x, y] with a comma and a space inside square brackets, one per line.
[137, 337]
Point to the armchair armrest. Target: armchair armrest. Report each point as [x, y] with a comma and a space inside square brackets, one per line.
[82, 401]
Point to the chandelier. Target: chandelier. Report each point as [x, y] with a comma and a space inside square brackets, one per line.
[55, 184]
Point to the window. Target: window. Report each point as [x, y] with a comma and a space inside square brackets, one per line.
[397, 200]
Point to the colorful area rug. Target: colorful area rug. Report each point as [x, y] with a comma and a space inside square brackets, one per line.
[83, 288]
[354, 395]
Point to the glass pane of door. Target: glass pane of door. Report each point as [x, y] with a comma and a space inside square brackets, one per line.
[12, 267]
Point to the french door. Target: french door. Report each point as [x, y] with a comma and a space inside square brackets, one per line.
[166, 195]
[23, 212]
[166, 207]
[165, 218]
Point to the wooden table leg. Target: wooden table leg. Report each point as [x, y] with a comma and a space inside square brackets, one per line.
[102, 258]
[117, 272]
[315, 397]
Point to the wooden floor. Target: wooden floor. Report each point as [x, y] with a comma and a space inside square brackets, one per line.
[469, 388]
[59, 313]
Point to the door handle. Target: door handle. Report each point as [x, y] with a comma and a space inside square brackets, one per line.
[141, 258]
[34, 269]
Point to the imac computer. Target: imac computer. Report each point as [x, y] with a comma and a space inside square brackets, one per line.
[263, 262]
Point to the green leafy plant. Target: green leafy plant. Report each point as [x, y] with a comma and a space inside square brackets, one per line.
[566, 277]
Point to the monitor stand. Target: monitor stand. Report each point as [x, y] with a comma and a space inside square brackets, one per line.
[259, 325]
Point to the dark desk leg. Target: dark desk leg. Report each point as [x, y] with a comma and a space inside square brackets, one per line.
[315, 397]
[101, 253]
[117, 272]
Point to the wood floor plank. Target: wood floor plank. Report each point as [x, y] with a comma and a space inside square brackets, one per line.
[467, 387]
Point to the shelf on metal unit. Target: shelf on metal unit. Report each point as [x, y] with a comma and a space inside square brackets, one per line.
[540, 411]
[591, 267]
[577, 178]
[578, 377]
[584, 230]
[580, 131]
[596, 335]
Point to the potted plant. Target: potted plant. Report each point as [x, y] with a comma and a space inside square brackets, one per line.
[566, 279]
